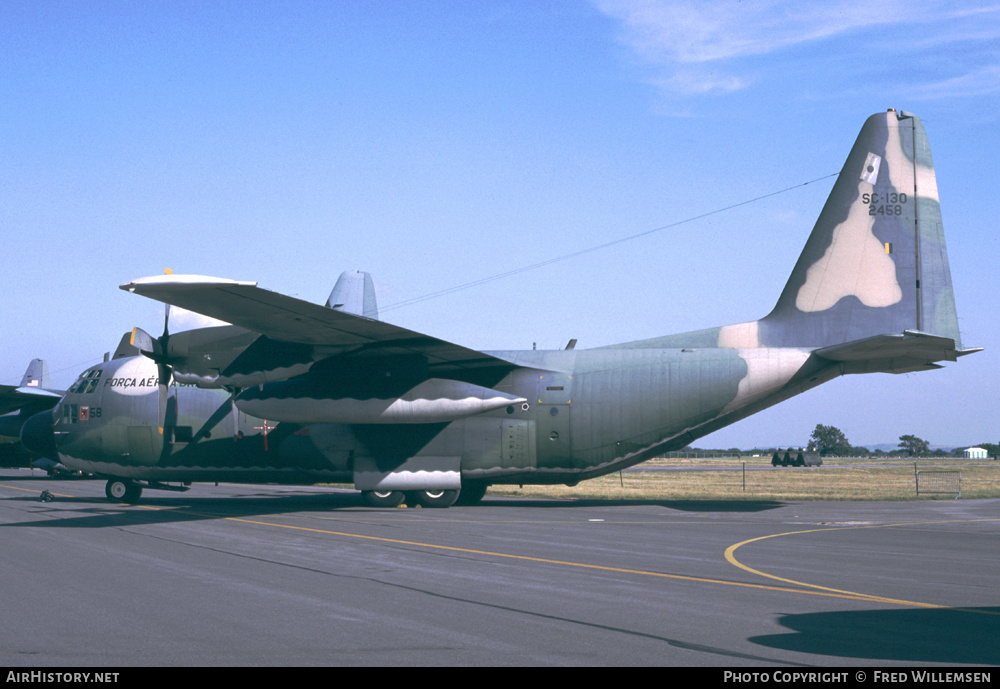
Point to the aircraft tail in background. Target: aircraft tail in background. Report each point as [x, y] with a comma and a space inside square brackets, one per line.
[36, 375]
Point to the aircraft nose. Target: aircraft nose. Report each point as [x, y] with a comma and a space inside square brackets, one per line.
[38, 437]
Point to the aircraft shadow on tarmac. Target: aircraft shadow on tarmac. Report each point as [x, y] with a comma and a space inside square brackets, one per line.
[172, 508]
[680, 505]
[940, 635]
[253, 503]
[10, 477]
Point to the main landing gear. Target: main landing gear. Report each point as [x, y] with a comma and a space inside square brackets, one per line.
[383, 498]
[423, 498]
[432, 498]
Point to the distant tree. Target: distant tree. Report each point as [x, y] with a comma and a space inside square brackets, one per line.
[992, 449]
[829, 440]
[913, 446]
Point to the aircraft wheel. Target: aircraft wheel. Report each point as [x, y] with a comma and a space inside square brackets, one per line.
[432, 498]
[122, 490]
[383, 498]
[472, 493]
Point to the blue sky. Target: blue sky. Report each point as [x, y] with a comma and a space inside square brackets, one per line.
[434, 144]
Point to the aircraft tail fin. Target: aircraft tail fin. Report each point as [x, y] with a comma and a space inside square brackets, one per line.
[876, 262]
[354, 293]
[133, 343]
[36, 375]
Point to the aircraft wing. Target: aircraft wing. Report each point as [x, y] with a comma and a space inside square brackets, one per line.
[13, 398]
[290, 320]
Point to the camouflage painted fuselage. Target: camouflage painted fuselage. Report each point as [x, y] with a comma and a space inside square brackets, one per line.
[871, 292]
[590, 412]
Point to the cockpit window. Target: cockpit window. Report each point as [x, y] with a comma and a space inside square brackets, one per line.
[87, 382]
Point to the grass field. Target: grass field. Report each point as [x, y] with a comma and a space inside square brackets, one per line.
[837, 479]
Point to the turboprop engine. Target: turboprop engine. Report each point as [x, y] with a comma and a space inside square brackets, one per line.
[435, 400]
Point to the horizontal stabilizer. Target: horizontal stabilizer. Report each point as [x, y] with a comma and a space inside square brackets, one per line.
[902, 353]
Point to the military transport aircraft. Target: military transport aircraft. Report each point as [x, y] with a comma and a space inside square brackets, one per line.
[295, 392]
[18, 403]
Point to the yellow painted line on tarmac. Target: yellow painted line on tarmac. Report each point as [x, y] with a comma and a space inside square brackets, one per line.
[731, 558]
[564, 563]
[802, 588]
[34, 490]
[527, 558]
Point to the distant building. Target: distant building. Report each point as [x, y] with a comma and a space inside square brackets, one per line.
[976, 453]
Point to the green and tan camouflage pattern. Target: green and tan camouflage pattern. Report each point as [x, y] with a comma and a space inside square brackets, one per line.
[871, 291]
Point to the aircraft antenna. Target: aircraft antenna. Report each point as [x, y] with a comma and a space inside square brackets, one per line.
[599, 247]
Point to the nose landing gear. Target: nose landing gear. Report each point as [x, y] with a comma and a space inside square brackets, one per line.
[123, 490]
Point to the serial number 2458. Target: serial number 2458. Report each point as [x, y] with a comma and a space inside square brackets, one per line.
[884, 204]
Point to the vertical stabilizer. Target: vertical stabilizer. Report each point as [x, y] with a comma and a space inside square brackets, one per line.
[354, 293]
[876, 261]
[37, 375]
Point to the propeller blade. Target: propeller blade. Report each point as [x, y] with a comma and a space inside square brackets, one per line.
[165, 373]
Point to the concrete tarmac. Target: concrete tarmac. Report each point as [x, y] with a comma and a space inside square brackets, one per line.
[238, 575]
